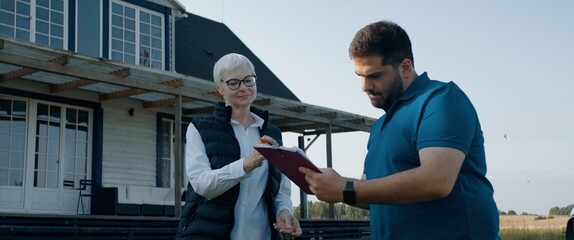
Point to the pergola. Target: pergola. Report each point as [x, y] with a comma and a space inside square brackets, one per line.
[189, 96]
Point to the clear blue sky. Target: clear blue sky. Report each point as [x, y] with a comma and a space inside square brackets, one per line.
[512, 58]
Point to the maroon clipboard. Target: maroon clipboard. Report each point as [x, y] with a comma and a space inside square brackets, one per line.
[288, 161]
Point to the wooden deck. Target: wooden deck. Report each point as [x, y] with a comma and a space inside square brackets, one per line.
[36, 226]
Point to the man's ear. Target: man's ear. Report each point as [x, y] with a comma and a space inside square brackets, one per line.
[406, 68]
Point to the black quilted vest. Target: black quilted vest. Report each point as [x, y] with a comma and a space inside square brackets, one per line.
[214, 219]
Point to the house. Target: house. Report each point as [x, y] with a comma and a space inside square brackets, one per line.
[89, 90]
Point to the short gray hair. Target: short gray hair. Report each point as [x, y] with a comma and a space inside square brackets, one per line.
[229, 62]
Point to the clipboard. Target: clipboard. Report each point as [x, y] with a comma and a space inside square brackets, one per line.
[288, 161]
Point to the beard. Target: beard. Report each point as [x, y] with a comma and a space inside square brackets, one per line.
[394, 91]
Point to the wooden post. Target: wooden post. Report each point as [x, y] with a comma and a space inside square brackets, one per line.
[178, 160]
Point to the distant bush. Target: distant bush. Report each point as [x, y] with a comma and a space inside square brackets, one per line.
[543, 217]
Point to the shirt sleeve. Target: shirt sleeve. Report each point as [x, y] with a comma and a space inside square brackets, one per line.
[449, 120]
[205, 181]
[283, 198]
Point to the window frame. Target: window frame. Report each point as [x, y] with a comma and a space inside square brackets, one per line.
[113, 50]
[161, 120]
[34, 20]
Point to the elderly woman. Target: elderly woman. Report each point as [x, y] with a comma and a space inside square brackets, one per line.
[233, 192]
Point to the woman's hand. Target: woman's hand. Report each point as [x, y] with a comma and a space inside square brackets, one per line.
[287, 224]
[267, 139]
[253, 161]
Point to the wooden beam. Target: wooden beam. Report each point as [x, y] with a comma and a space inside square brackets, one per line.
[214, 93]
[16, 73]
[285, 121]
[262, 102]
[302, 128]
[297, 109]
[76, 72]
[70, 85]
[356, 121]
[124, 72]
[316, 119]
[329, 115]
[318, 129]
[194, 111]
[63, 59]
[135, 91]
[122, 93]
[166, 102]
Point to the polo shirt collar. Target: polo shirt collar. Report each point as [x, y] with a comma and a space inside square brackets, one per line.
[416, 87]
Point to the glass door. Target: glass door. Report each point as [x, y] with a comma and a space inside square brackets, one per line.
[45, 150]
[13, 120]
[60, 157]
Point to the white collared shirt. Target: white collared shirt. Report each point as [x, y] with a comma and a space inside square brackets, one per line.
[250, 212]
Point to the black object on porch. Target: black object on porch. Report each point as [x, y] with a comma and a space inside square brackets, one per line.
[28, 226]
[85, 192]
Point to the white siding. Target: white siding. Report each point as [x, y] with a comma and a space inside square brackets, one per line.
[129, 146]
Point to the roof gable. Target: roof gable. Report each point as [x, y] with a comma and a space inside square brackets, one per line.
[200, 42]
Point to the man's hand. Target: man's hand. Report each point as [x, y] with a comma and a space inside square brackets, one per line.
[327, 186]
[287, 224]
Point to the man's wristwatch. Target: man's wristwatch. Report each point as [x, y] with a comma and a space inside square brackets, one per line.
[349, 194]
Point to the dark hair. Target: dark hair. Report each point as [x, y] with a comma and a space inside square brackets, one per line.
[385, 39]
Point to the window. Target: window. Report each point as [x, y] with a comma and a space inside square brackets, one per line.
[136, 35]
[167, 157]
[40, 21]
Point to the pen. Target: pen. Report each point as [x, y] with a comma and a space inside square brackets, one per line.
[262, 141]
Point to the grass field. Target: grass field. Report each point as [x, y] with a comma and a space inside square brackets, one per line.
[530, 222]
[529, 227]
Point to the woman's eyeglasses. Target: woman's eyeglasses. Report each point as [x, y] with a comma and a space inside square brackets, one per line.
[234, 84]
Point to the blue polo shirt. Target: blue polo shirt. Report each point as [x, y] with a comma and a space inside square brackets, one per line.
[432, 114]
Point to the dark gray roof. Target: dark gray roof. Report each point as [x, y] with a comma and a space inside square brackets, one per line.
[200, 42]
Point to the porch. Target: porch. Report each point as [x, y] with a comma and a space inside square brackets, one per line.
[37, 226]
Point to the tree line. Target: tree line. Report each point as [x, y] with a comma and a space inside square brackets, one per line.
[320, 210]
[555, 211]
[561, 211]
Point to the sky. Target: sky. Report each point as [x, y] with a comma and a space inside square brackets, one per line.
[512, 58]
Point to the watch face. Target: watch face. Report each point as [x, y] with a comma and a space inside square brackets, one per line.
[349, 197]
[349, 194]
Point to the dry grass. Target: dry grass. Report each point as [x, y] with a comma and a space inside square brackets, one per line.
[530, 222]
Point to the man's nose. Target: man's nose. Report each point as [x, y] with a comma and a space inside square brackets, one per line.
[366, 84]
